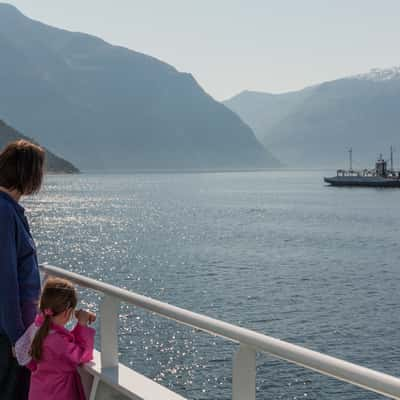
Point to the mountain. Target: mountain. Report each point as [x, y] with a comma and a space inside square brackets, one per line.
[108, 107]
[54, 164]
[316, 126]
[264, 110]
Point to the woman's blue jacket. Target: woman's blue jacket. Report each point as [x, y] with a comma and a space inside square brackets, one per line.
[19, 271]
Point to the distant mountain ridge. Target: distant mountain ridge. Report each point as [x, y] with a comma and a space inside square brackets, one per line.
[107, 107]
[314, 127]
[54, 164]
[264, 110]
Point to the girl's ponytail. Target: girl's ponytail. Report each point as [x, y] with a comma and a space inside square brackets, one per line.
[37, 343]
[58, 296]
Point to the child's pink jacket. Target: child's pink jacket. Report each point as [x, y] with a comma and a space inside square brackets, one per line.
[55, 376]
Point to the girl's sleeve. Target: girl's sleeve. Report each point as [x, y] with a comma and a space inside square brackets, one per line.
[81, 350]
[10, 312]
[23, 345]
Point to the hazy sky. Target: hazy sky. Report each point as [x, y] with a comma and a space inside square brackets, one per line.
[233, 45]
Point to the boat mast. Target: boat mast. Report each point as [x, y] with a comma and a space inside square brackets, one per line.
[391, 158]
[351, 158]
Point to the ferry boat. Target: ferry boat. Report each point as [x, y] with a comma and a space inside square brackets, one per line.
[380, 176]
[106, 378]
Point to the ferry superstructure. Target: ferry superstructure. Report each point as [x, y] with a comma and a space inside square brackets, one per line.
[106, 378]
[380, 176]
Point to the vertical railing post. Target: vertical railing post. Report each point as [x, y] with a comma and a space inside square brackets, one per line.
[109, 310]
[244, 374]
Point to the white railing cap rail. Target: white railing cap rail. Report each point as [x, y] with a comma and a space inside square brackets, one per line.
[360, 376]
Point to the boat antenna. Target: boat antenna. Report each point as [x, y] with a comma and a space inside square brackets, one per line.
[351, 158]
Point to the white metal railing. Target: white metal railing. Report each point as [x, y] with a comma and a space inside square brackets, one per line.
[244, 363]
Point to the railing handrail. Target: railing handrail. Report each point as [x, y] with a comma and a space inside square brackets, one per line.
[327, 365]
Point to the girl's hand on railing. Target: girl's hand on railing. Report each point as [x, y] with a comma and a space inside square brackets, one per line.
[85, 317]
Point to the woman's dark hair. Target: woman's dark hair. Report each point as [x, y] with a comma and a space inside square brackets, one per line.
[22, 166]
[57, 296]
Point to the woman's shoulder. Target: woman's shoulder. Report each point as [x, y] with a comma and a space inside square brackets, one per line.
[8, 219]
[6, 209]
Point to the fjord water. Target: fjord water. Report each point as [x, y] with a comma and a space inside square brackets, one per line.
[274, 251]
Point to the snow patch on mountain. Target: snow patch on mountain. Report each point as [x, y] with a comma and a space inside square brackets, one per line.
[378, 74]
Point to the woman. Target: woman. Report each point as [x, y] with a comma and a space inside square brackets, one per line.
[21, 174]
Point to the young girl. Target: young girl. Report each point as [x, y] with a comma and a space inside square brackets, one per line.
[51, 351]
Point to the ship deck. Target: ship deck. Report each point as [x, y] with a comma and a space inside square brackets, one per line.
[367, 181]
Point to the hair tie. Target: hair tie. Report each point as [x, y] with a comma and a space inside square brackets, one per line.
[48, 312]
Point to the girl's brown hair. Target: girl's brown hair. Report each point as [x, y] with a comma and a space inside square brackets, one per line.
[22, 166]
[57, 296]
